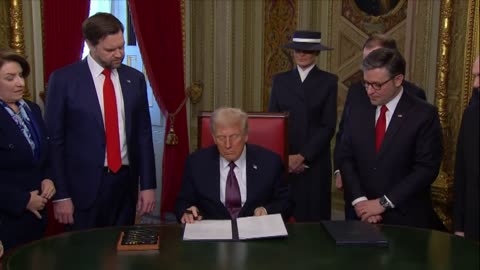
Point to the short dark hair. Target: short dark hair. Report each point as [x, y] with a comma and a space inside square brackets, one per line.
[99, 26]
[390, 59]
[380, 40]
[8, 55]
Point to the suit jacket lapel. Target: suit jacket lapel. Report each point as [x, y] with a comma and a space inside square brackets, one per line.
[212, 176]
[367, 126]
[89, 92]
[398, 118]
[126, 84]
[252, 175]
[295, 83]
[9, 126]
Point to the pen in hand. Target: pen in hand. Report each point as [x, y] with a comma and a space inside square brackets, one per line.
[191, 215]
[190, 212]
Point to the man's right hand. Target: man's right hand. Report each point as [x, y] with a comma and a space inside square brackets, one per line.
[63, 211]
[36, 203]
[191, 214]
[338, 181]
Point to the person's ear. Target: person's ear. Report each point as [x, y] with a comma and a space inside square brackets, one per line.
[90, 45]
[398, 80]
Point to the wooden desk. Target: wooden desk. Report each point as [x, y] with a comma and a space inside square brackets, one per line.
[307, 247]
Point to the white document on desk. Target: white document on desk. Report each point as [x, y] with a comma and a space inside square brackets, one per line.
[261, 227]
[208, 230]
[240, 229]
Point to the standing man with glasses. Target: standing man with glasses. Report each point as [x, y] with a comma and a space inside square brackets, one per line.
[392, 148]
[100, 134]
[357, 93]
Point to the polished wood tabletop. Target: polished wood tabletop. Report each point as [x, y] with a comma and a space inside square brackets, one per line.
[308, 246]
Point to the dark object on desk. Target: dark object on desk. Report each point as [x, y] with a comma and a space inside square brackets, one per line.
[138, 239]
[355, 233]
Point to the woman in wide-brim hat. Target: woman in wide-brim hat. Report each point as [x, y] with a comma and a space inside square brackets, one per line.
[309, 95]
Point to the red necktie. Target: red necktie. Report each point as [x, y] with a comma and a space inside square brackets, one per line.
[233, 200]
[380, 128]
[112, 136]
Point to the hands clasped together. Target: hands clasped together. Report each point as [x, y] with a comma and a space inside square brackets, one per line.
[38, 201]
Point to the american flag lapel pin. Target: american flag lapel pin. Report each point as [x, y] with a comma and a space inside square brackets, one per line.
[400, 115]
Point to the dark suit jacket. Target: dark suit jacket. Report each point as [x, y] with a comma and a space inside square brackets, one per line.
[467, 178]
[77, 135]
[406, 165]
[20, 174]
[357, 90]
[312, 108]
[266, 185]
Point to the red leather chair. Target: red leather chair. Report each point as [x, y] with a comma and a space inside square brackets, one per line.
[265, 129]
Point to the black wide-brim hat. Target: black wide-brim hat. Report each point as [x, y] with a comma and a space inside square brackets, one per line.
[307, 41]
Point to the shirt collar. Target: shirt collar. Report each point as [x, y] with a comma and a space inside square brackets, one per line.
[305, 71]
[96, 69]
[392, 104]
[240, 162]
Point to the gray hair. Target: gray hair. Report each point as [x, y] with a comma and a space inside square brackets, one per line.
[227, 116]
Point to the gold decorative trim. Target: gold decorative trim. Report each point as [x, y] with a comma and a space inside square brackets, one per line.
[442, 195]
[280, 23]
[471, 50]
[17, 43]
[374, 24]
[184, 53]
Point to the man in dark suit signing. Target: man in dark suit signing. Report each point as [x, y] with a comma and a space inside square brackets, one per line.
[231, 178]
[100, 134]
[309, 95]
[356, 93]
[392, 148]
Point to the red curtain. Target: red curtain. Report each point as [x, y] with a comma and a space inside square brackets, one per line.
[62, 45]
[158, 27]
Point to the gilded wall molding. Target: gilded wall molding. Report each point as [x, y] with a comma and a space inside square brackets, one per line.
[280, 23]
[5, 24]
[17, 42]
[472, 49]
[441, 189]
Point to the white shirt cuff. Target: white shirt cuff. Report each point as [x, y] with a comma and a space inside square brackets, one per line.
[61, 200]
[359, 199]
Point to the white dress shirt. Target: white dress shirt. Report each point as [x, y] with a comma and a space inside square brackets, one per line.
[304, 72]
[240, 172]
[98, 79]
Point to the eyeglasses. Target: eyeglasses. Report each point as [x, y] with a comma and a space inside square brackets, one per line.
[376, 86]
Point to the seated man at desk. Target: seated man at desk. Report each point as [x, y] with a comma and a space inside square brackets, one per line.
[231, 178]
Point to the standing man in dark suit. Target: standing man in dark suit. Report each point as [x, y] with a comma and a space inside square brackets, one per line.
[100, 133]
[232, 178]
[357, 92]
[467, 179]
[392, 148]
[309, 95]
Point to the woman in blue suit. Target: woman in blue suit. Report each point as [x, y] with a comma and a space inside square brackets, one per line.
[24, 185]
